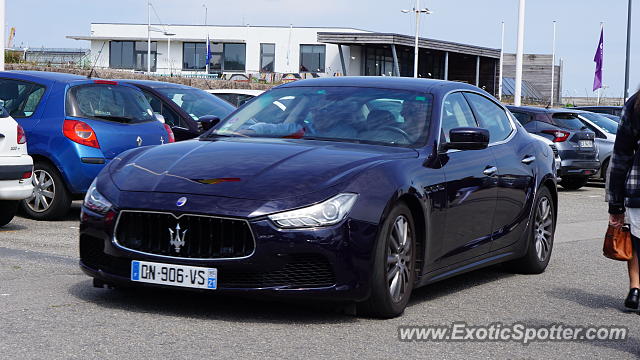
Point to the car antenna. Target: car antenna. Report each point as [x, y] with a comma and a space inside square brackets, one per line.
[95, 62]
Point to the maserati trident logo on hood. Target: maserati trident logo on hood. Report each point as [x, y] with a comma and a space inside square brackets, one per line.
[176, 238]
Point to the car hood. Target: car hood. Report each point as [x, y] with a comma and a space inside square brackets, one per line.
[261, 169]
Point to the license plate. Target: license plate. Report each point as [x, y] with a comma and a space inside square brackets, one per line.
[586, 143]
[174, 275]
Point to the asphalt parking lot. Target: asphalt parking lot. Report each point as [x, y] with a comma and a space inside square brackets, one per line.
[49, 309]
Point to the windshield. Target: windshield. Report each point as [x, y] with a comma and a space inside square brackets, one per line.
[604, 123]
[109, 102]
[197, 103]
[568, 121]
[368, 115]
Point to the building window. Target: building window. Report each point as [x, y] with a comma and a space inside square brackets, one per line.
[194, 56]
[224, 57]
[131, 55]
[312, 58]
[234, 57]
[267, 57]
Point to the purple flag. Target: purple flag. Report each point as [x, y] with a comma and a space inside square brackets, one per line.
[597, 80]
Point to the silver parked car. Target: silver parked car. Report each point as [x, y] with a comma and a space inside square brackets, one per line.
[605, 130]
[556, 154]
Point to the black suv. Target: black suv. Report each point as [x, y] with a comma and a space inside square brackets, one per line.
[574, 141]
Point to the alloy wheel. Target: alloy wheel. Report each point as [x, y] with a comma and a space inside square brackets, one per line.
[399, 254]
[543, 229]
[44, 190]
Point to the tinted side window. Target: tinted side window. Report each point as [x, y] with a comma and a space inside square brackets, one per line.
[21, 98]
[456, 113]
[522, 118]
[490, 116]
[170, 117]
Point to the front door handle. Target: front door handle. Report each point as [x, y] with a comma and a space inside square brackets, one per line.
[490, 170]
[528, 159]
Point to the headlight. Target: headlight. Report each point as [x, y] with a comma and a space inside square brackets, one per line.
[328, 212]
[95, 202]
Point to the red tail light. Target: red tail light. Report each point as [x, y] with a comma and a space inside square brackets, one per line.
[170, 135]
[106, 82]
[27, 175]
[80, 132]
[22, 138]
[559, 135]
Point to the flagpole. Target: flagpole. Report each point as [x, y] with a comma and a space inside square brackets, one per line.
[553, 64]
[626, 68]
[149, 36]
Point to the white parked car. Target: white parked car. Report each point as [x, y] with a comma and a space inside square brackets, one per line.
[237, 97]
[16, 167]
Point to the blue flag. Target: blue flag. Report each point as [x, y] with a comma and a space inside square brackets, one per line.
[208, 51]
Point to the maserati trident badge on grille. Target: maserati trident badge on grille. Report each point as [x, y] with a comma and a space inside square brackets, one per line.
[139, 141]
[181, 201]
[176, 238]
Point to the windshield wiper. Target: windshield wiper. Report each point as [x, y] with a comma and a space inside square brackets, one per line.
[123, 119]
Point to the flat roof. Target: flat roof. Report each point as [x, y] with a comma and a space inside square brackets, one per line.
[243, 26]
[153, 38]
[339, 38]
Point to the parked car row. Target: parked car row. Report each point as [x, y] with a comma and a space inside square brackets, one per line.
[584, 140]
[76, 125]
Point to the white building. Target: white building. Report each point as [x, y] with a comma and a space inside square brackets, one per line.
[300, 51]
[234, 49]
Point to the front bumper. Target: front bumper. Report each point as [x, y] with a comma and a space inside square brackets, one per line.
[332, 263]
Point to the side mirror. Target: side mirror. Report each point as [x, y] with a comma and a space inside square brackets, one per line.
[467, 138]
[208, 121]
[160, 118]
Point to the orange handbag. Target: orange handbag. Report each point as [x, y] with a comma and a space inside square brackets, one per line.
[617, 243]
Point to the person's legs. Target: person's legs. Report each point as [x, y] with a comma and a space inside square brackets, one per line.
[634, 266]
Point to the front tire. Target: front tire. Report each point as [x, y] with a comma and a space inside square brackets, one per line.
[8, 210]
[540, 239]
[51, 199]
[394, 266]
[573, 182]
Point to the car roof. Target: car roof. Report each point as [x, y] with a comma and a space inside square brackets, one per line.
[597, 107]
[540, 110]
[44, 75]
[155, 84]
[236, 91]
[386, 82]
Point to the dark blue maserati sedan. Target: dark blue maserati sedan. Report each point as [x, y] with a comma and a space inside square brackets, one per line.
[350, 189]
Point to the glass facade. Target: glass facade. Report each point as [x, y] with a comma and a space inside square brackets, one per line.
[312, 58]
[267, 57]
[131, 55]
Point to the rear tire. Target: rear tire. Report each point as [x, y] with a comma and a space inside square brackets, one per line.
[574, 182]
[51, 199]
[8, 210]
[393, 275]
[540, 239]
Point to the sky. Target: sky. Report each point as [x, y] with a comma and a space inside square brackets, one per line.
[46, 23]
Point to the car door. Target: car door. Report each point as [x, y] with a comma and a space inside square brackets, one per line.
[515, 160]
[470, 187]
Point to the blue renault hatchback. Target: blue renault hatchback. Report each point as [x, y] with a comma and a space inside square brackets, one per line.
[75, 125]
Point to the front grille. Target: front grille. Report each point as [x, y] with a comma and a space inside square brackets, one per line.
[188, 236]
[300, 271]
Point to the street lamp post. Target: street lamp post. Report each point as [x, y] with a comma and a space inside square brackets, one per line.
[416, 50]
[501, 66]
[148, 36]
[626, 68]
[207, 29]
